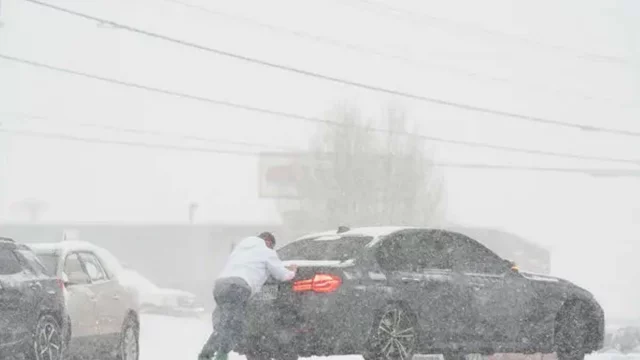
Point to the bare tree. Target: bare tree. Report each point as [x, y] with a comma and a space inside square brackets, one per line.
[359, 177]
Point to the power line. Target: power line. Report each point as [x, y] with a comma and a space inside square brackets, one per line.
[477, 29]
[315, 119]
[592, 172]
[422, 63]
[468, 166]
[90, 140]
[138, 131]
[312, 74]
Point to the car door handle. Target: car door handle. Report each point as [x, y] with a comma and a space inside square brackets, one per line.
[409, 279]
[116, 297]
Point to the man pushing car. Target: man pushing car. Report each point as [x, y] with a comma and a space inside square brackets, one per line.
[249, 266]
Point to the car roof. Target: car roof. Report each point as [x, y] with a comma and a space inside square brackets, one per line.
[7, 243]
[66, 246]
[376, 232]
[372, 231]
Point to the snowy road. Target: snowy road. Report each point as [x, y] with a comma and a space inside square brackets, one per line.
[170, 338]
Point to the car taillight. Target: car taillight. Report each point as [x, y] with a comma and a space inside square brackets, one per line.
[320, 283]
[60, 283]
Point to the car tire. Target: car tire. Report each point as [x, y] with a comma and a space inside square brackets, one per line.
[48, 340]
[393, 336]
[129, 344]
[571, 331]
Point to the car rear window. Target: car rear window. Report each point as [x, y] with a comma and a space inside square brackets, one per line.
[50, 261]
[33, 262]
[9, 263]
[339, 248]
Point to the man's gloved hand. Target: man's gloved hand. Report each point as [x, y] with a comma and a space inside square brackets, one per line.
[292, 267]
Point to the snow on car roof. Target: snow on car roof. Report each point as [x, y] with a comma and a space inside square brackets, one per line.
[66, 246]
[373, 231]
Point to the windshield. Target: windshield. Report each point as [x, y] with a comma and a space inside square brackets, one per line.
[339, 248]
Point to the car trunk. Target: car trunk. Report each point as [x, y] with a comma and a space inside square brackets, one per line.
[287, 310]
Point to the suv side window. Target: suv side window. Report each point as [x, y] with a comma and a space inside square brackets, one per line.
[74, 270]
[93, 266]
[30, 261]
[472, 257]
[9, 264]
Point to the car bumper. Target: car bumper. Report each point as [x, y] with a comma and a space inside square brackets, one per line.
[312, 325]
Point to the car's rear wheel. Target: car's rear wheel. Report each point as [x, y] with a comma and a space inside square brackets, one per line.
[393, 336]
[48, 340]
[128, 347]
[571, 333]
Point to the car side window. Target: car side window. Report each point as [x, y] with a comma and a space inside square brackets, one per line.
[9, 263]
[74, 270]
[472, 257]
[435, 250]
[93, 266]
[399, 253]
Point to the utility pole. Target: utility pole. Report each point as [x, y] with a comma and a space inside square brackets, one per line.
[193, 208]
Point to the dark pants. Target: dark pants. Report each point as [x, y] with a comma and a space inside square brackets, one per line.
[231, 296]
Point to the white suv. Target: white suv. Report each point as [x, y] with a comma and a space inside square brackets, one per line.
[103, 311]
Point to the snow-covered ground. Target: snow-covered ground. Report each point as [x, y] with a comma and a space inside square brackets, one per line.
[170, 338]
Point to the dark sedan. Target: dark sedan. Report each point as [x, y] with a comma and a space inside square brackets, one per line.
[389, 293]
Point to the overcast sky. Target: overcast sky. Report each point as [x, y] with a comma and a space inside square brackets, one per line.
[571, 61]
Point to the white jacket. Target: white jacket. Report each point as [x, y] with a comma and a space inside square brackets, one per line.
[252, 261]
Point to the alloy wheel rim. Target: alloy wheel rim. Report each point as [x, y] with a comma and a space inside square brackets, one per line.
[396, 335]
[48, 342]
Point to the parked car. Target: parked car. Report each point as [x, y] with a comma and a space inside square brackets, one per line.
[33, 319]
[392, 292]
[154, 299]
[626, 339]
[103, 312]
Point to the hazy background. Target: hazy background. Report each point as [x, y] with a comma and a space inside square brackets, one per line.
[572, 61]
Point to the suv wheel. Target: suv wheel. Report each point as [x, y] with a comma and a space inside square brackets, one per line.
[393, 336]
[48, 340]
[128, 348]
